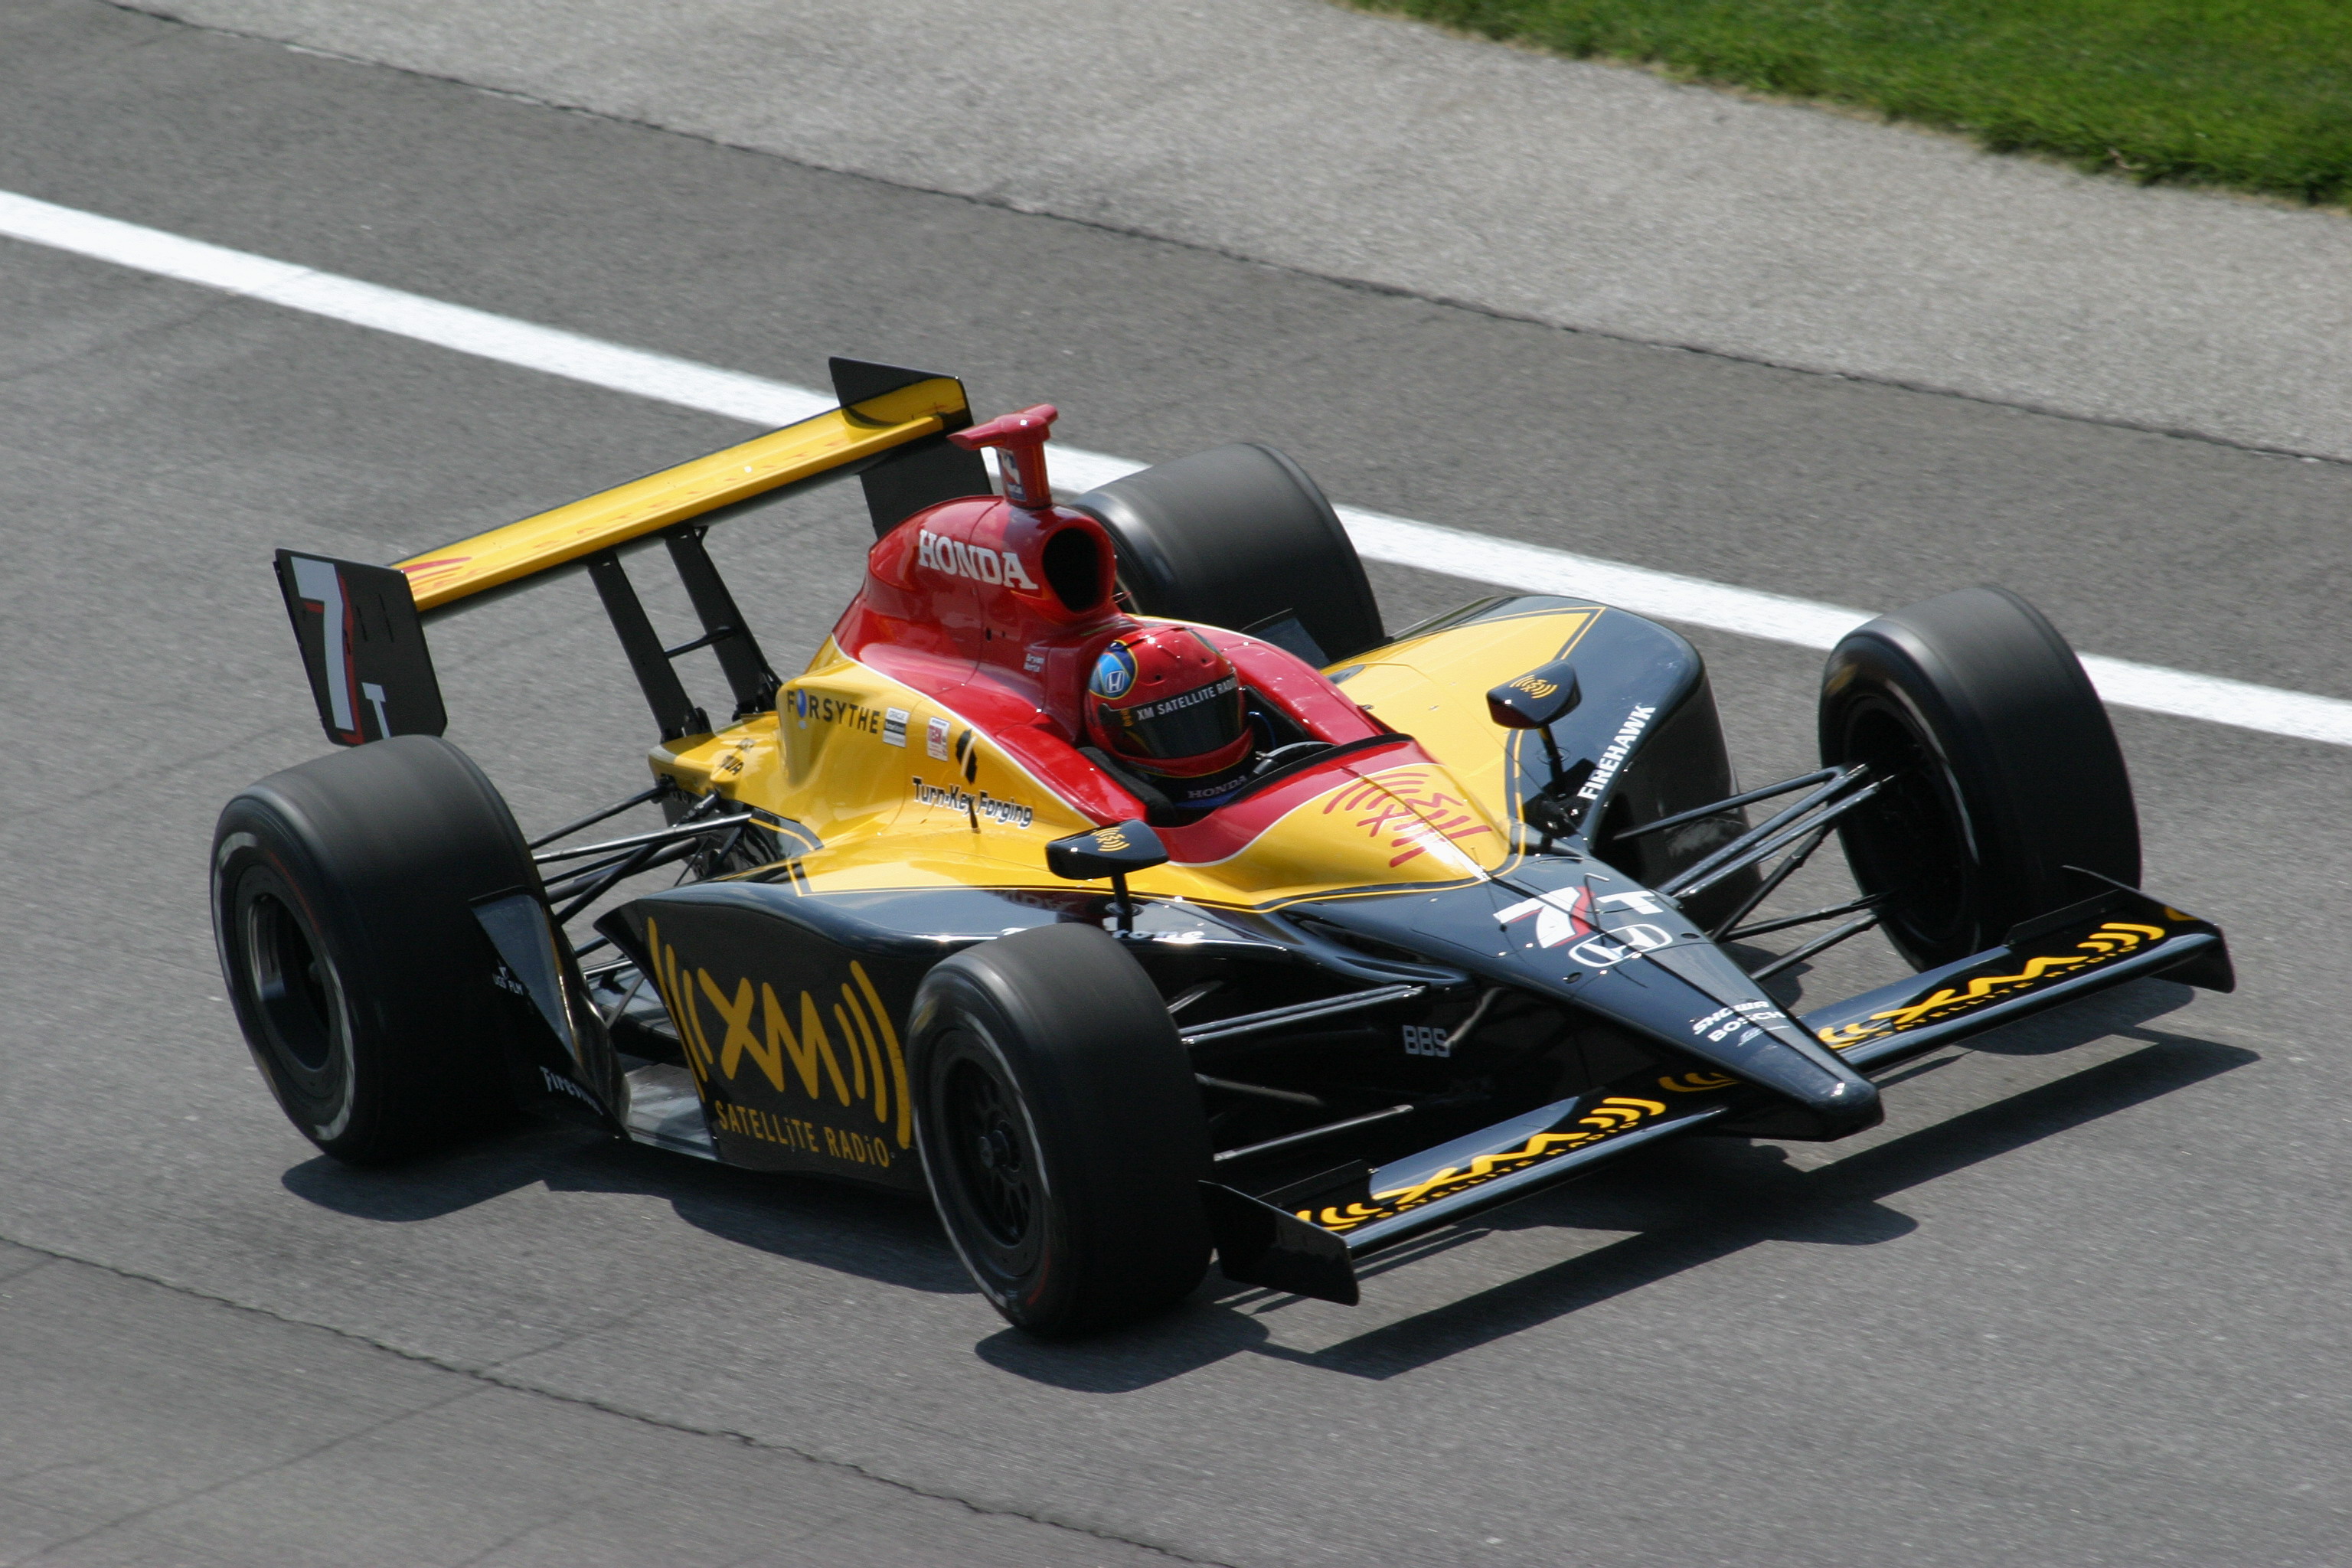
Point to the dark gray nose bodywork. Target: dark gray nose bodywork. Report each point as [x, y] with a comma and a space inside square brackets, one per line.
[1584, 935]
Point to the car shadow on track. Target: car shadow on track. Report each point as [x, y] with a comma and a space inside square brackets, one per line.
[850, 1229]
[1689, 1205]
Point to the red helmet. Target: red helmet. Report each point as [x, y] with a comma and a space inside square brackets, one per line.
[1164, 700]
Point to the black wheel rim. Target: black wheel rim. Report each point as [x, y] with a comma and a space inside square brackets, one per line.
[1911, 842]
[292, 984]
[990, 1150]
[986, 1170]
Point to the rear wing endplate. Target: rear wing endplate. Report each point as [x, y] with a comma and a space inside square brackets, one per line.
[364, 648]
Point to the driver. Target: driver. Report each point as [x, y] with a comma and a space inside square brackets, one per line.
[1166, 709]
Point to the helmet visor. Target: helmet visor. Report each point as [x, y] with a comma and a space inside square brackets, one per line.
[1193, 723]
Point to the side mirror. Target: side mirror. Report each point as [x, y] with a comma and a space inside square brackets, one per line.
[1537, 699]
[1112, 852]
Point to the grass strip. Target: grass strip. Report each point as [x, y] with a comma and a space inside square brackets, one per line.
[2255, 94]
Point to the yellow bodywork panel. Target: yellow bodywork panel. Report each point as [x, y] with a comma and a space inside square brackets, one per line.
[877, 772]
[797, 452]
[1434, 689]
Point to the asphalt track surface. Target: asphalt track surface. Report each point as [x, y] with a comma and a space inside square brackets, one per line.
[1310, 135]
[2080, 1300]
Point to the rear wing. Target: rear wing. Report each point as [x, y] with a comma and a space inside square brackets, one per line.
[362, 628]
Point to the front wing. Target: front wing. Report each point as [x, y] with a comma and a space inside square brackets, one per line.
[1312, 1249]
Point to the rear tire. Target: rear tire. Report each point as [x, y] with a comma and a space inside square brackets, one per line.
[1060, 1129]
[1240, 537]
[341, 895]
[2011, 771]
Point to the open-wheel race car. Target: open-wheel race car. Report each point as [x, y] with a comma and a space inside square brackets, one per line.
[1112, 874]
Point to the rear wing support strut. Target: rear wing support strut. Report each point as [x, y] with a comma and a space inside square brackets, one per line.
[675, 714]
[724, 631]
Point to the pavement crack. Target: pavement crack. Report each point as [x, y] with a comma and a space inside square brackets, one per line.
[483, 1378]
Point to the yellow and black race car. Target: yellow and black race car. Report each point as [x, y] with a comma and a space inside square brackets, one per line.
[1472, 912]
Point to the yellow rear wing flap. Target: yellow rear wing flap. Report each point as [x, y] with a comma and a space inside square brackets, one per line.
[361, 627]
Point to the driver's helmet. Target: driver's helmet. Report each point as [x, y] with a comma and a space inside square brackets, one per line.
[1163, 700]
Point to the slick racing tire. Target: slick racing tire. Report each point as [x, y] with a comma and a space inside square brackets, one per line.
[1240, 537]
[342, 897]
[1060, 1129]
[2006, 771]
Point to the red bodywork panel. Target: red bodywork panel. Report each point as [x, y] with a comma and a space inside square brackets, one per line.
[999, 611]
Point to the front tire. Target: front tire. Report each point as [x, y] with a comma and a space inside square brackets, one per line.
[2007, 772]
[342, 895]
[1060, 1129]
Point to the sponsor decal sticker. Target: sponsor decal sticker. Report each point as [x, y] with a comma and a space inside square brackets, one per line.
[952, 797]
[954, 558]
[2111, 940]
[1594, 953]
[558, 1084]
[812, 707]
[1613, 756]
[1114, 672]
[757, 1032]
[894, 726]
[1618, 1113]
[1563, 916]
[1409, 810]
[1427, 1041]
[1560, 915]
[1736, 1019]
[935, 739]
[1181, 700]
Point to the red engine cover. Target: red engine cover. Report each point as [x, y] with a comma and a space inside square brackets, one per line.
[998, 610]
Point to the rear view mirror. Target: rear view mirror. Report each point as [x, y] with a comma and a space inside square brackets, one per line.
[1537, 699]
[1112, 852]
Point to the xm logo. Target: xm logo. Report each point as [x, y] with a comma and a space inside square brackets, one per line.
[791, 1049]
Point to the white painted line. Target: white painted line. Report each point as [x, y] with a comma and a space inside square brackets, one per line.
[468, 330]
[1528, 568]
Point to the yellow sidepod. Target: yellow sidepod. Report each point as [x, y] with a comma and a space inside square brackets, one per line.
[901, 789]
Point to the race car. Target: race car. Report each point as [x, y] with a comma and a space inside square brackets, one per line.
[1111, 875]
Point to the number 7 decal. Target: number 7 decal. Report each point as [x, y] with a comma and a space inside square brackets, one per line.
[364, 648]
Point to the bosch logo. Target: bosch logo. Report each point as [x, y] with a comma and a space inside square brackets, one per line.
[1114, 672]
